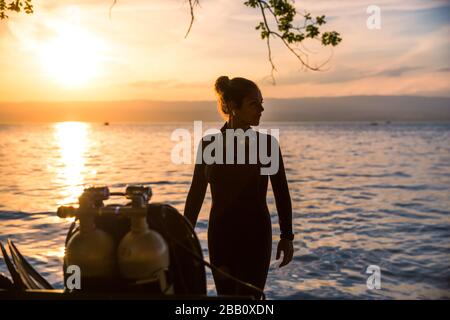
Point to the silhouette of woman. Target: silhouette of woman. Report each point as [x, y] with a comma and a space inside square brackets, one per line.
[239, 229]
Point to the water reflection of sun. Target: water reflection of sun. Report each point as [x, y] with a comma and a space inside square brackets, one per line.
[72, 140]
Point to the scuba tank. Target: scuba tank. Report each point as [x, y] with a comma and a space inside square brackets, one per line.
[91, 249]
[146, 244]
[143, 254]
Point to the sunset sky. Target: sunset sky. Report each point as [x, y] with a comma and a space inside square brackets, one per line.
[71, 50]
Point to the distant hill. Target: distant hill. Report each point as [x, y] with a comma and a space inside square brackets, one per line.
[361, 108]
[350, 108]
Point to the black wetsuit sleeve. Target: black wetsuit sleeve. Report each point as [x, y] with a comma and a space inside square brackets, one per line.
[197, 191]
[282, 199]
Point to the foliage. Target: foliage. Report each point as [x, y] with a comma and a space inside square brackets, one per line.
[278, 22]
[282, 14]
[15, 6]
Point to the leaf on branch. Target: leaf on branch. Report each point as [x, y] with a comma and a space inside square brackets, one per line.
[312, 31]
[331, 38]
[320, 20]
[282, 13]
[15, 6]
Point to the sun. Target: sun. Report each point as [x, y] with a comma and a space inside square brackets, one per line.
[72, 56]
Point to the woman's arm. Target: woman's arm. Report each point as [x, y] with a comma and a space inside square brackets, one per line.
[284, 209]
[197, 191]
[282, 199]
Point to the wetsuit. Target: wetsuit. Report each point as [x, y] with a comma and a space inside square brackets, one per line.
[239, 229]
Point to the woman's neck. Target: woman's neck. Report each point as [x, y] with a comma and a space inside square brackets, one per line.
[234, 123]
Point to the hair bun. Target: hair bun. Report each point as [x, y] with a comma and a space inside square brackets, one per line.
[222, 84]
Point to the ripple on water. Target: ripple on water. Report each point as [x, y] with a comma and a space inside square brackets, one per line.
[387, 204]
[419, 187]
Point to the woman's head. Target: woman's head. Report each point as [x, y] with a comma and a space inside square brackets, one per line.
[239, 99]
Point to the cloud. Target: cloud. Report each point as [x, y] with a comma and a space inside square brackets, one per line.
[345, 75]
[443, 69]
[350, 7]
[147, 55]
[166, 84]
[152, 84]
[397, 72]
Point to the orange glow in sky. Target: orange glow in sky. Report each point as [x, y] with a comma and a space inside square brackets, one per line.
[72, 56]
[66, 51]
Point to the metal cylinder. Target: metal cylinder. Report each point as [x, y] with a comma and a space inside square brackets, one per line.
[92, 250]
[143, 255]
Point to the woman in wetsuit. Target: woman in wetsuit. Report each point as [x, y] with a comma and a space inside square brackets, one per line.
[239, 229]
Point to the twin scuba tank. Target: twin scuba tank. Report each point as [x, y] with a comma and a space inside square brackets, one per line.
[138, 261]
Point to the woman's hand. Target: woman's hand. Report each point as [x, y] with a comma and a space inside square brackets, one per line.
[288, 251]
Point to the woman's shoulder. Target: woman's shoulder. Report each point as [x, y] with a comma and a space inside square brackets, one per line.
[210, 137]
[268, 137]
[264, 136]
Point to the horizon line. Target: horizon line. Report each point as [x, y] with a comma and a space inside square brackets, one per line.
[205, 100]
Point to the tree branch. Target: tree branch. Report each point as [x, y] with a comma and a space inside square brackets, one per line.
[192, 4]
[110, 8]
[268, 46]
[283, 13]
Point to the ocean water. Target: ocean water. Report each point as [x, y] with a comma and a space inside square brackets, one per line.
[362, 195]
